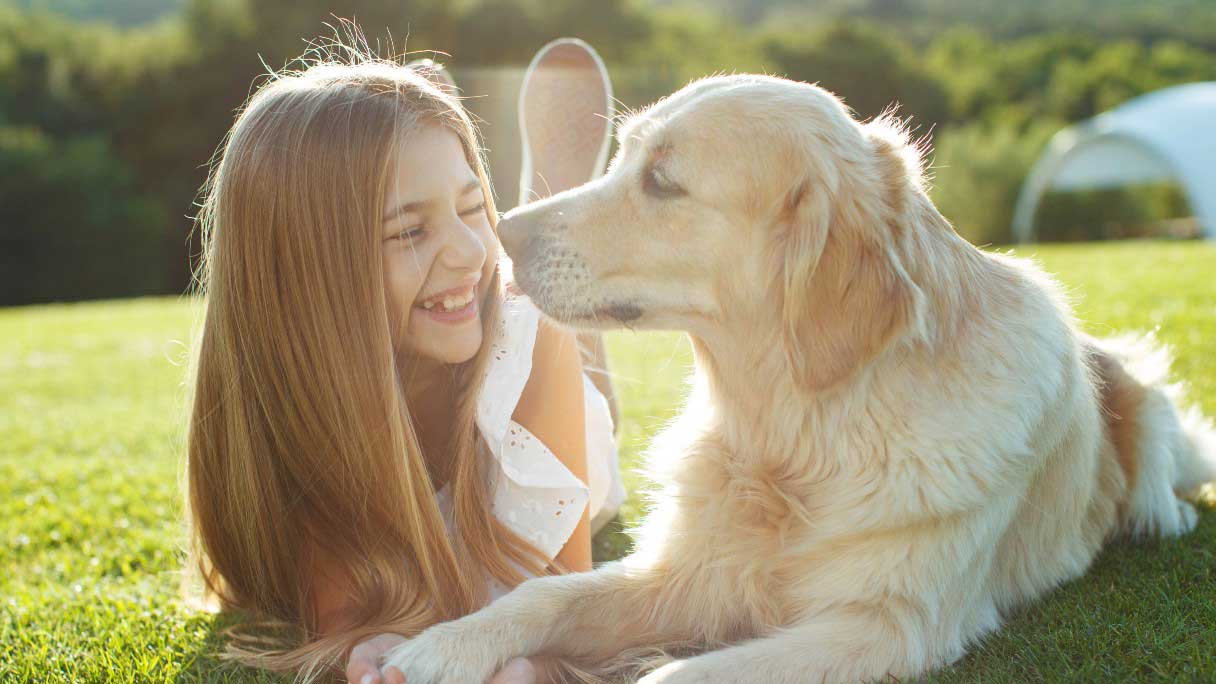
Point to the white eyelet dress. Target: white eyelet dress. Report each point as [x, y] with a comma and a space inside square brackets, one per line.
[534, 494]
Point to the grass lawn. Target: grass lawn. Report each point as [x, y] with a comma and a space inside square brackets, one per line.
[91, 409]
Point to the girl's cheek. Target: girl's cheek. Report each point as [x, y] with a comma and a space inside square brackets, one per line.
[493, 251]
[405, 278]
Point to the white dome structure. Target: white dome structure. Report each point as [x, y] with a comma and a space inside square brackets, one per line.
[1167, 135]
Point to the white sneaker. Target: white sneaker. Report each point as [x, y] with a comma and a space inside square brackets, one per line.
[565, 119]
[565, 123]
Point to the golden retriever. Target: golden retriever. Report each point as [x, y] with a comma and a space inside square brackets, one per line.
[893, 437]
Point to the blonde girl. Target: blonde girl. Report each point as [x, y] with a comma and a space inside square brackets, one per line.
[380, 438]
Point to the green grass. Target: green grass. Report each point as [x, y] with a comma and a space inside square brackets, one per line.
[90, 415]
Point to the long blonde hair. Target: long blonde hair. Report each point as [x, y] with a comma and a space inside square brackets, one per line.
[299, 439]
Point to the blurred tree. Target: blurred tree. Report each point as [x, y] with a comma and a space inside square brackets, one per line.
[922, 21]
[1135, 211]
[141, 111]
[120, 12]
[284, 28]
[71, 224]
[615, 27]
[870, 69]
[481, 28]
[977, 171]
[684, 44]
[1056, 75]
[1084, 86]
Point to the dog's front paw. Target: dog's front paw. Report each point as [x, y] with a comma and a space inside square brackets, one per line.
[677, 672]
[443, 654]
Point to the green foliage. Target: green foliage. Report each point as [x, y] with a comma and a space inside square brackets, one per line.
[1193, 21]
[1057, 75]
[978, 169]
[91, 538]
[1008, 100]
[121, 12]
[1086, 85]
[869, 68]
[683, 44]
[80, 195]
[986, 85]
[475, 35]
[71, 222]
[1134, 211]
[977, 172]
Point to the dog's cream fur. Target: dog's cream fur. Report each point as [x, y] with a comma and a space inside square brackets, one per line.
[893, 437]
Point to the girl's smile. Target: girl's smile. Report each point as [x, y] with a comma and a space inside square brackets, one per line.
[455, 306]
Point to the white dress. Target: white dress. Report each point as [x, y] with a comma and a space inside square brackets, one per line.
[534, 493]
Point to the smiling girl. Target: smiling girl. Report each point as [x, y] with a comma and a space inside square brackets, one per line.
[381, 438]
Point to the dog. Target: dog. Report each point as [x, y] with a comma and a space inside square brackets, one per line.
[893, 437]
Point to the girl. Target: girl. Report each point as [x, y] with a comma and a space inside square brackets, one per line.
[380, 437]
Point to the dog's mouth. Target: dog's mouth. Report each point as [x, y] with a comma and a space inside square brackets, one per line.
[608, 315]
[621, 312]
[561, 291]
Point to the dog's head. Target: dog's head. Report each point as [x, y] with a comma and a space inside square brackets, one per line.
[746, 203]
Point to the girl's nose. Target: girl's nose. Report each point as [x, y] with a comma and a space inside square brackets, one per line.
[464, 250]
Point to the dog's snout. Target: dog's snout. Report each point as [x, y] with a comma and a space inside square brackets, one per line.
[521, 233]
[514, 229]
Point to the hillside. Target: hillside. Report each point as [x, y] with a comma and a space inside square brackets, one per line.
[119, 12]
[1191, 20]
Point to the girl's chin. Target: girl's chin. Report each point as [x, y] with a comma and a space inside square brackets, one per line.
[449, 348]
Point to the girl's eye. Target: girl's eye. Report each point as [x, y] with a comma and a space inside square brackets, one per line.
[480, 207]
[411, 233]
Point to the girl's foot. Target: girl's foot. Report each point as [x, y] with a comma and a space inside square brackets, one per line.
[565, 119]
[565, 122]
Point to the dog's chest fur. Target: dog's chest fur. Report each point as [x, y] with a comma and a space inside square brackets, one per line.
[767, 509]
[819, 518]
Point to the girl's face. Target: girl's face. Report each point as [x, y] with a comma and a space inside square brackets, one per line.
[439, 248]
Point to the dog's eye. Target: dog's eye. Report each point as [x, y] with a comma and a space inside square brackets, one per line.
[655, 184]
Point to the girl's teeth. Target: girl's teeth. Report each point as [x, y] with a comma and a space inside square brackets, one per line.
[449, 304]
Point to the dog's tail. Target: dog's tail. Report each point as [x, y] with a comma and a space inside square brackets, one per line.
[1174, 449]
[1196, 464]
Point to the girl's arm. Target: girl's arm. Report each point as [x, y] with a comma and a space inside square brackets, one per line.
[551, 408]
[335, 613]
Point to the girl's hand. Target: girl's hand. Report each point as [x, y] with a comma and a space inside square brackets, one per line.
[363, 666]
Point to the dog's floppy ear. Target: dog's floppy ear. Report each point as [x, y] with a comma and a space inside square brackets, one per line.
[845, 294]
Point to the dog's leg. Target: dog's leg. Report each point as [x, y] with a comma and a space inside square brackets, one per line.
[589, 616]
[849, 644]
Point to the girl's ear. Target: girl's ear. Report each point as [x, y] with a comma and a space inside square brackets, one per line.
[845, 294]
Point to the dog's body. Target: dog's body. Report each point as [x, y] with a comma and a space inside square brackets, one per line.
[893, 437]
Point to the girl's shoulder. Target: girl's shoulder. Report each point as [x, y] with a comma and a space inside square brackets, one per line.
[512, 344]
[534, 493]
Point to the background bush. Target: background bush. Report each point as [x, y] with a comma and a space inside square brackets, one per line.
[977, 170]
[72, 222]
[115, 106]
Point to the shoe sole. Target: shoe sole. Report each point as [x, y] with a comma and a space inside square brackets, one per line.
[565, 119]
